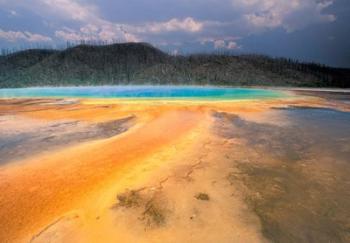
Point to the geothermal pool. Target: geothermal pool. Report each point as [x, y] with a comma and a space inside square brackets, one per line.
[143, 92]
[117, 164]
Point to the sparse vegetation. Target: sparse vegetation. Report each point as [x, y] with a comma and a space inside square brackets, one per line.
[141, 63]
[153, 215]
[202, 196]
[129, 199]
[152, 211]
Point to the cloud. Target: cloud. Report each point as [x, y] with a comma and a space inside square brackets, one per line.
[229, 42]
[69, 35]
[95, 27]
[13, 13]
[109, 31]
[13, 36]
[219, 44]
[187, 24]
[71, 9]
[222, 44]
[288, 14]
[179, 21]
[106, 32]
[232, 45]
[79, 16]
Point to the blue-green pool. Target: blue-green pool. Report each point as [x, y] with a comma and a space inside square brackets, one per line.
[143, 92]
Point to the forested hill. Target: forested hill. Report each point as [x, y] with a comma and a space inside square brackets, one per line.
[141, 63]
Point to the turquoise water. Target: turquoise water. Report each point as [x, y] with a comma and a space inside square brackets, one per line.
[145, 92]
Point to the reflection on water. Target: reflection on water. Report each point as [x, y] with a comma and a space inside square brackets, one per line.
[328, 129]
[296, 176]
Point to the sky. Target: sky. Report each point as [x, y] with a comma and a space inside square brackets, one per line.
[308, 30]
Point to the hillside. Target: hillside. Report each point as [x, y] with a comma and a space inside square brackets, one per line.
[138, 63]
